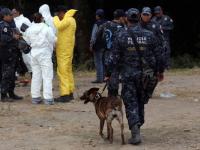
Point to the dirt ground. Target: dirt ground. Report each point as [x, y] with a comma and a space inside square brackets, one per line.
[171, 123]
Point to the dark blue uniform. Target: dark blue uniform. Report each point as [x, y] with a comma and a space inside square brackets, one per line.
[8, 58]
[167, 26]
[108, 31]
[158, 33]
[156, 29]
[124, 54]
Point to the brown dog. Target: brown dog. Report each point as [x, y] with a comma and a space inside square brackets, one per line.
[107, 108]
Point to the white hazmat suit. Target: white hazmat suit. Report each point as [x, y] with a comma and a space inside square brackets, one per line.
[19, 21]
[41, 38]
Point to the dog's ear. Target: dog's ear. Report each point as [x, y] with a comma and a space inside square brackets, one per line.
[84, 96]
[92, 90]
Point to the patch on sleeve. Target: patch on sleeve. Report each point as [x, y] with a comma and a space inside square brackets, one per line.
[154, 26]
[5, 30]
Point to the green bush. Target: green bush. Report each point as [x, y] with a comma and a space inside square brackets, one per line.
[87, 65]
[185, 61]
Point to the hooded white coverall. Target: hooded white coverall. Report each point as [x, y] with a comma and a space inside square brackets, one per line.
[46, 14]
[66, 29]
[41, 39]
[19, 21]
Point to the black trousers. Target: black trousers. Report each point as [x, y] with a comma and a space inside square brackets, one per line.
[8, 69]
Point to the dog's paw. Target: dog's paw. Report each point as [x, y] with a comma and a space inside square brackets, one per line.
[111, 141]
[102, 135]
[123, 143]
[105, 138]
[107, 141]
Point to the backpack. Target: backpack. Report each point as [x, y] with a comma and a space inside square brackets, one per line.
[109, 33]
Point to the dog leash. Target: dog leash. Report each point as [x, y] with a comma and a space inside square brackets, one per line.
[104, 87]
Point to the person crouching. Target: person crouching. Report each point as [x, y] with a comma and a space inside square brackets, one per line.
[41, 39]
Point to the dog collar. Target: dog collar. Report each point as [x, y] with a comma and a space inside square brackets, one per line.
[97, 97]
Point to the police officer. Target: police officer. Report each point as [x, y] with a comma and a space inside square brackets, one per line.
[0, 56]
[8, 57]
[167, 26]
[149, 24]
[108, 31]
[153, 26]
[125, 53]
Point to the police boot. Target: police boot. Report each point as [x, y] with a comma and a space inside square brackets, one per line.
[136, 138]
[63, 99]
[13, 96]
[71, 96]
[5, 98]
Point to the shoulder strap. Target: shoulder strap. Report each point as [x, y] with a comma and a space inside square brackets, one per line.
[137, 46]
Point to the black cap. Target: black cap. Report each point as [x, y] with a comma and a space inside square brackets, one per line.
[119, 13]
[131, 11]
[157, 9]
[100, 12]
[146, 10]
[1, 7]
[132, 14]
[6, 12]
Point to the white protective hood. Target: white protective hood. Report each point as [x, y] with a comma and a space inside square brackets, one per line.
[45, 11]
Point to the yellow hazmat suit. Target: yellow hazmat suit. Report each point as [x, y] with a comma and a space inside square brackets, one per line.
[66, 29]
